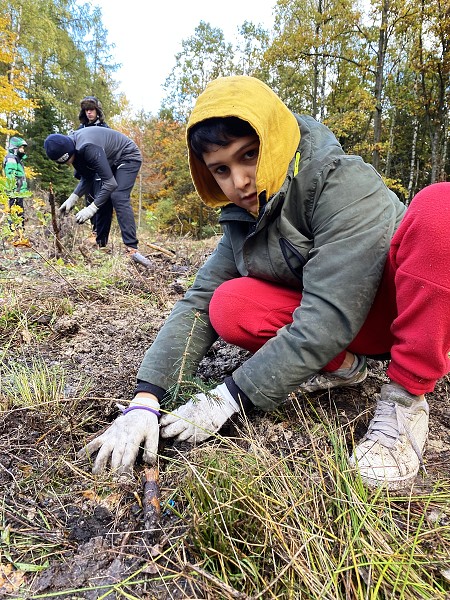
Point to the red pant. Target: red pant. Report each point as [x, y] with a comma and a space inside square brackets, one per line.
[410, 317]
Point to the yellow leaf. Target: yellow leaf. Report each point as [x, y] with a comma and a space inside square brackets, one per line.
[22, 242]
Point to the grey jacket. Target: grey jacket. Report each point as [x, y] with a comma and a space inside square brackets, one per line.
[326, 232]
[99, 151]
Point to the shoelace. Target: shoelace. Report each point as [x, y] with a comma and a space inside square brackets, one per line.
[389, 423]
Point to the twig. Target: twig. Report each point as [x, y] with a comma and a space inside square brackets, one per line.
[151, 500]
[44, 435]
[124, 541]
[160, 249]
[141, 277]
[51, 201]
[60, 275]
[217, 582]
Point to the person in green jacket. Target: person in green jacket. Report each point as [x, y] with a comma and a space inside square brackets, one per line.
[14, 169]
[319, 266]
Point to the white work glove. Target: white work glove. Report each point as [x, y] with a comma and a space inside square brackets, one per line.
[86, 213]
[199, 419]
[67, 206]
[121, 441]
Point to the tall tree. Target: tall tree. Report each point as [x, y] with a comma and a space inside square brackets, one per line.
[204, 56]
[57, 55]
[12, 83]
[434, 65]
[312, 38]
[60, 176]
[394, 17]
[253, 41]
[56, 43]
[93, 39]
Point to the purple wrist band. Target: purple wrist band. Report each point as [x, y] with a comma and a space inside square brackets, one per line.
[152, 410]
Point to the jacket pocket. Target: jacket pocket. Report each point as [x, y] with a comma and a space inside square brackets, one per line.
[293, 257]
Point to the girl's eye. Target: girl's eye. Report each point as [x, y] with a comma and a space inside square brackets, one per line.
[221, 170]
[251, 153]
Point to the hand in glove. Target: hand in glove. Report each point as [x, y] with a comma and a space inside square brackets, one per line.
[68, 204]
[86, 213]
[198, 419]
[121, 441]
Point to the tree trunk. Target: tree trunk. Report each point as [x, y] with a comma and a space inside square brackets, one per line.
[12, 66]
[387, 170]
[413, 160]
[379, 80]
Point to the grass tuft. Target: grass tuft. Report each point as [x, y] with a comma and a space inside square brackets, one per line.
[299, 524]
[33, 385]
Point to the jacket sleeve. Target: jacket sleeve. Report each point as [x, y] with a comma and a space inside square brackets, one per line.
[187, 334]
[353, 220]
[95, 160]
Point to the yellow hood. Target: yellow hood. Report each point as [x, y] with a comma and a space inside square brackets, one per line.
[253, 101]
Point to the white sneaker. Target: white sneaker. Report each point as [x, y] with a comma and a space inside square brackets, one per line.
[390, 454]
[340, 378]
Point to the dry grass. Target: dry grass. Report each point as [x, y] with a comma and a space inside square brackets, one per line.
[298, 524]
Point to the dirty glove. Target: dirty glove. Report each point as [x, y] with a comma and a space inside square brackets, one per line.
[121, 441]
[86, 213]
[199, 418]
[67, 206]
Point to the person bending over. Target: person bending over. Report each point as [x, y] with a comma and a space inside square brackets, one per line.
[114, 158]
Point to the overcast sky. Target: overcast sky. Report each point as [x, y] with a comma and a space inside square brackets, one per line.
[148, 33]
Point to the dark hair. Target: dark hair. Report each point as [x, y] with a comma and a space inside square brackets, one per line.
[217, 131]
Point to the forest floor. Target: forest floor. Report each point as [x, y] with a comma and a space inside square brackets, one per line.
[74, 332]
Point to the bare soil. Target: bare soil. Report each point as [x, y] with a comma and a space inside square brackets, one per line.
[95, 329]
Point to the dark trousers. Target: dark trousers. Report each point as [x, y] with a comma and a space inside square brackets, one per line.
[119, 200]
[18, 202]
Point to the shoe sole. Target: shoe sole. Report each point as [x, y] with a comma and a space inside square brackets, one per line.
[337, 384]
[393, 484]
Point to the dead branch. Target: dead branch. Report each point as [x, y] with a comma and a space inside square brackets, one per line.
[160, 249]
[51, 201]
[151, 501]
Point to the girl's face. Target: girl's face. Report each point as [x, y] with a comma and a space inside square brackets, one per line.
[234, 168]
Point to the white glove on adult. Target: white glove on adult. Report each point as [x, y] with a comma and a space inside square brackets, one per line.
[121, 441]
[86, 213]
[199, 419]
[67, 206]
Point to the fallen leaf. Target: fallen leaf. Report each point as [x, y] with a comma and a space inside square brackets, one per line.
[91, 495]
[150, 569]
[22, 242]
[26, 335]
[10, 579]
